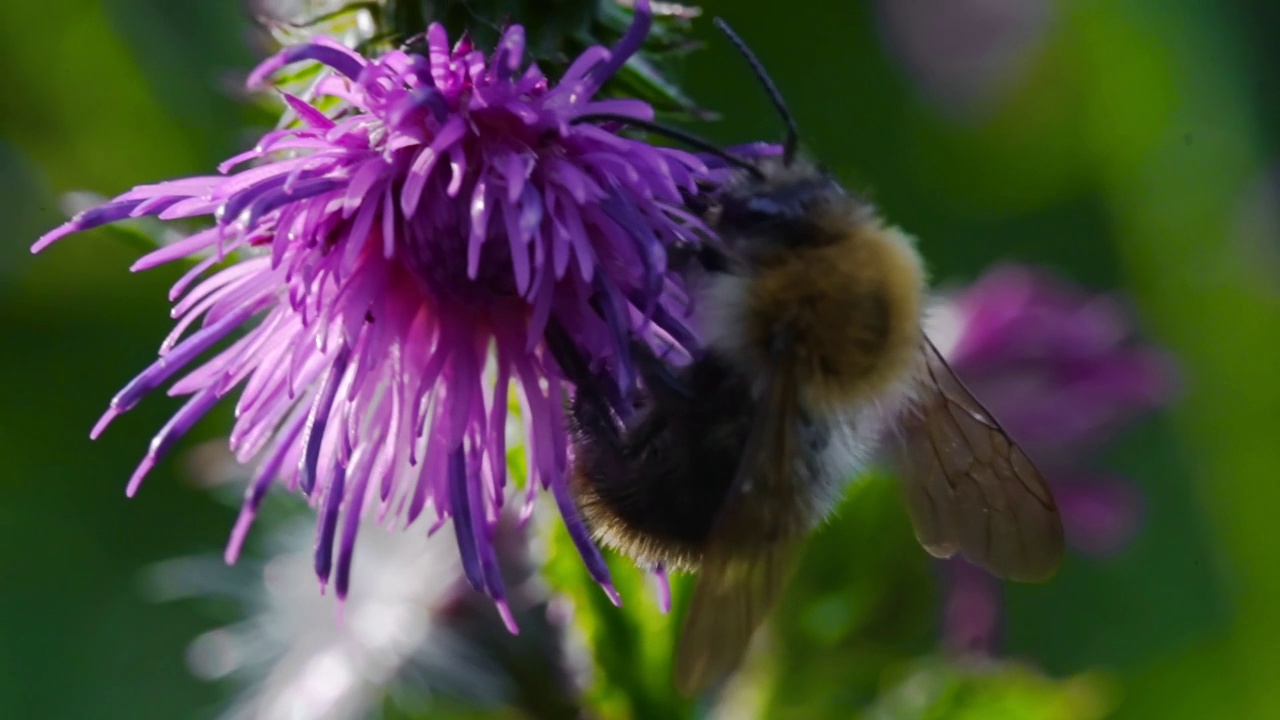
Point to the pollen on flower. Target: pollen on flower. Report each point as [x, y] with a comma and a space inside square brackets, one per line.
[392, 267]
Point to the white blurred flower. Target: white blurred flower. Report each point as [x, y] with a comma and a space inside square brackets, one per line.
[412, 631]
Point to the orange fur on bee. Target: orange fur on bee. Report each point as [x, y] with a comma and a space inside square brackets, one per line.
[851, 309]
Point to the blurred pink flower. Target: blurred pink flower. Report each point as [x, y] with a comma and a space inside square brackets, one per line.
[963, 54]
[1065, 373]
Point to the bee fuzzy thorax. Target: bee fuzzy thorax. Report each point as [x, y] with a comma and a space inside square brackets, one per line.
[847, 303]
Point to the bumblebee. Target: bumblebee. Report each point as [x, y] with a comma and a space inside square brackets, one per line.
[810, 310]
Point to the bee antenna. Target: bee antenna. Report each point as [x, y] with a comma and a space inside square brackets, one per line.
[793, 133]
[677, 134]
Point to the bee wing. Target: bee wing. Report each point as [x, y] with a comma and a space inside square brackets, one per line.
[969, 488]
[732, 598]
[748, 556]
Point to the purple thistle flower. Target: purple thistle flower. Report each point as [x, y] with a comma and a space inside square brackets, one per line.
[397, 264]
[1063, 371]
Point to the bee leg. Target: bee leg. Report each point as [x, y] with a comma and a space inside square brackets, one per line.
[662, 381]
[596, 388]
[591, 417]
[681, 256]
[713, 259]
[566, 355]
[703, 201]
[709, 257]
[600, 447]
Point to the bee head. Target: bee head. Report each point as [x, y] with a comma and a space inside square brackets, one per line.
[791, 207]
[777, 208]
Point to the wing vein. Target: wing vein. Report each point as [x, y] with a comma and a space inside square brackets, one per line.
[977, 492]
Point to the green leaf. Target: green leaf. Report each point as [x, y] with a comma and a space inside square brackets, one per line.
[630, 646]
[933, 689]
[862, 602]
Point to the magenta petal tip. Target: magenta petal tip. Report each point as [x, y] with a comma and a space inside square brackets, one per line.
[662, 584]
[53, 236]
[526, 513]
[508, 619]
[101, 426]
[135, 482]
[238, 534]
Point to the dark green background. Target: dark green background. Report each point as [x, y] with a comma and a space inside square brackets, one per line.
[1136, 151]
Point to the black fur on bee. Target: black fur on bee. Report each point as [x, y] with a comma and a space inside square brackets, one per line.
[654, 486]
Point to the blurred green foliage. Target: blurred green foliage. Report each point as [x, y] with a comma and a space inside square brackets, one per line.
[935, 690]
[556, 33]
[1133, 149]
[630, 648]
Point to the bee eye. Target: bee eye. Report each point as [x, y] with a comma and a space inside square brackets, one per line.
[761, 209]
[753, 212]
